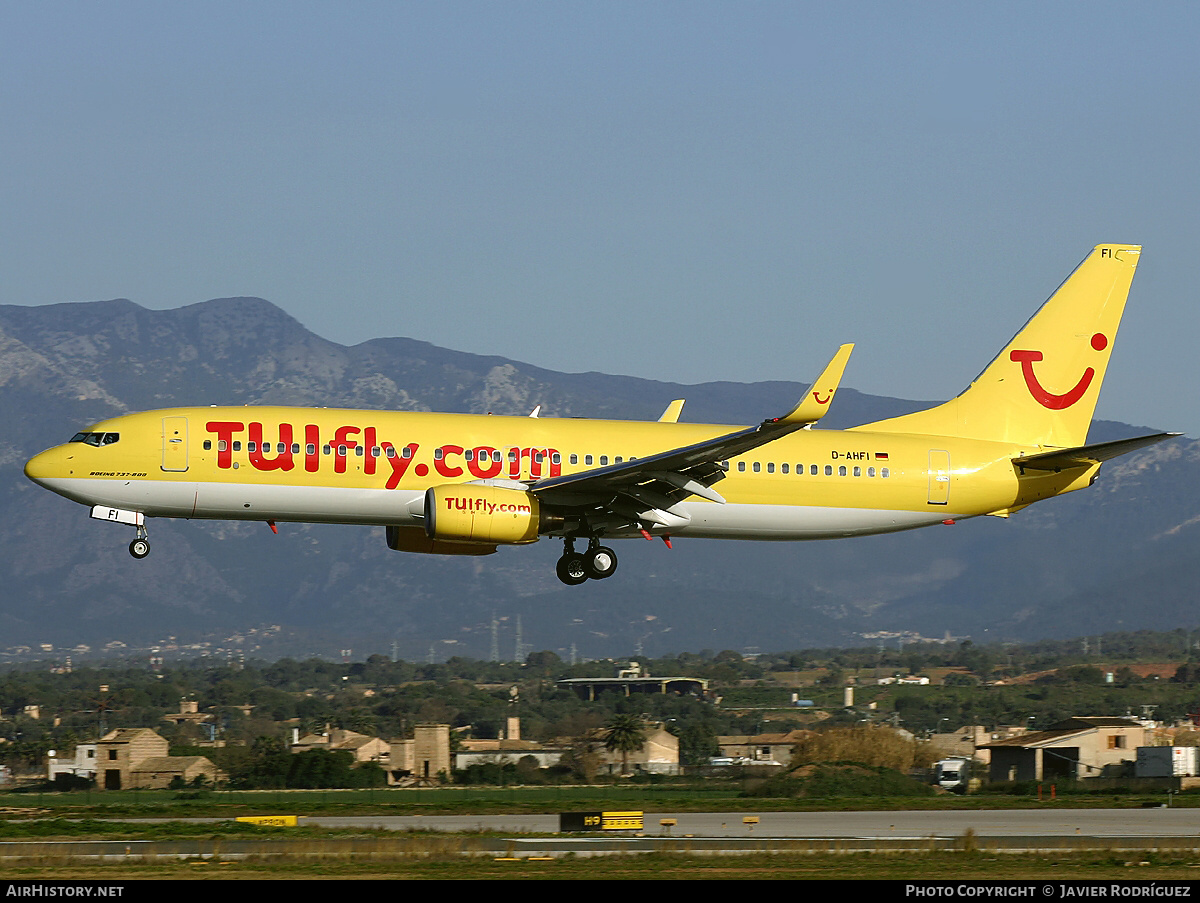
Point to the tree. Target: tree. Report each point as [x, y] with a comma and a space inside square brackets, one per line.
[581, 759]
[697, 744]
[625, 734]
[867, 745]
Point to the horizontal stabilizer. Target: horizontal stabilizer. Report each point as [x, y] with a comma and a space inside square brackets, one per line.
[1087, 455]
[812, 407]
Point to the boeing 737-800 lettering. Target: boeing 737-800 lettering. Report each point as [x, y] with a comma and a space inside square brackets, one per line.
[463, 484]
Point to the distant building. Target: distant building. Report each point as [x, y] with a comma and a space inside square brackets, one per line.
[506, 752]
[760, 749]
[83, 765]
[635, 679]
[138, 758]
[189, 713]
[1076, 748]
[658, 755]
[972, 741]
[364, 748]
[423, 758]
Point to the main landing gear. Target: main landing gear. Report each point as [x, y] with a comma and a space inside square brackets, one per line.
[596, 563]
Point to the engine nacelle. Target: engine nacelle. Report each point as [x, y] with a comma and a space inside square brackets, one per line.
[469, 512]
[414, 539]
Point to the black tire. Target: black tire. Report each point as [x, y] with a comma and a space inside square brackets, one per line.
[139, 548]
[600, 562]
[571, 569]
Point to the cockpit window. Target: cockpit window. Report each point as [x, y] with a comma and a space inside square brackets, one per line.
[96, 438]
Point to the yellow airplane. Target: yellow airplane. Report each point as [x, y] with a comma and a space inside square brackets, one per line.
[464, 484]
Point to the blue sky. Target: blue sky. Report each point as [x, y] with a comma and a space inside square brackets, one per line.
[679, 191]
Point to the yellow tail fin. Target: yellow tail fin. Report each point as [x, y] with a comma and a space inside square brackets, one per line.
[1042, 388]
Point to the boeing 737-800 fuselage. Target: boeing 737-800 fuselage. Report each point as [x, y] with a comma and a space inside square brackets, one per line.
[465, 484]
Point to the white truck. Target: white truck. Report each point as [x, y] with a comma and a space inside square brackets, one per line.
[952, 774]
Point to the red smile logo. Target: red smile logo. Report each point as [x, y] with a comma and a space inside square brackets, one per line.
[1048, 399]
[817, 397]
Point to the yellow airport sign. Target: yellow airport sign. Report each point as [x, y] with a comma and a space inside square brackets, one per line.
[271, 821]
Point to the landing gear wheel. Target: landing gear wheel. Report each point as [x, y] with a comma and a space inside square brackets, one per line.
[139, 548]
[571, 569]
[600, 562]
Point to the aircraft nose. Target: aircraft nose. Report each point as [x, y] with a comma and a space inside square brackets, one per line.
[46, 465]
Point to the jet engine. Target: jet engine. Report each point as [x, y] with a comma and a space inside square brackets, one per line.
[470, 512]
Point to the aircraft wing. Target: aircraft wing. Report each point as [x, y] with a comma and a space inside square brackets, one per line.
[1085, 455]
[645, 490]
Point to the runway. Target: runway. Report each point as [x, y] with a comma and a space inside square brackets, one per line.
[1000, 830]
[1045, 831]
[922, 825]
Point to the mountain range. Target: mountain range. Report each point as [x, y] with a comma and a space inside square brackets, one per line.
[1119, 556]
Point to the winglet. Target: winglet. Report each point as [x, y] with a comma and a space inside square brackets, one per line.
[671, 414]
[812, 406]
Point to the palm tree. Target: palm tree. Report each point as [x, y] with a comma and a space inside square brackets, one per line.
[625, 734]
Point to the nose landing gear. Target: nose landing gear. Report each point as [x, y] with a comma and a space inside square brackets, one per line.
[597, 563]
[140, 547]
